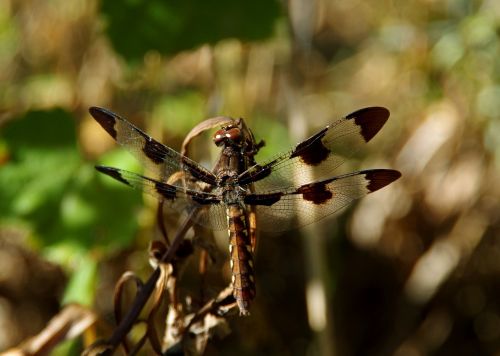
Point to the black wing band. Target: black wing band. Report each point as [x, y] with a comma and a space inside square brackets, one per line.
[156, 157]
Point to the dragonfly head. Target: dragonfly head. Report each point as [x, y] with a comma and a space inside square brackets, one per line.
[228, 136]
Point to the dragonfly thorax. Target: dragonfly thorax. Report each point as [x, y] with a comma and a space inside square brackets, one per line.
[233, 195]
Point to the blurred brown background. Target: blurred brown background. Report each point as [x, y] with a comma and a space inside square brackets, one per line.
[410, 270]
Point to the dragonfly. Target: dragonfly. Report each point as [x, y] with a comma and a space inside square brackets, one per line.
[292, 189]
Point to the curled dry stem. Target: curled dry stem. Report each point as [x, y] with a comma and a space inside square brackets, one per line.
[123, 328]
[118, 296]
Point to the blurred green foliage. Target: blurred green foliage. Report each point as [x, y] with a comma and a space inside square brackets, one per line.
[180, 112]
[136, 27]
[50, 188]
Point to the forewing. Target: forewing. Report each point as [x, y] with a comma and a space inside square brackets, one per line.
[157, 158]
[317, 157]
[280, 211]
[211, 212]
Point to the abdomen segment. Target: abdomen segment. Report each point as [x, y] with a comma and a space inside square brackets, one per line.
[241, 258]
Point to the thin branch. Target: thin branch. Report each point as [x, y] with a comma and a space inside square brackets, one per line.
[138, 346]
[144, 293]
[118, 295]
[70, 322]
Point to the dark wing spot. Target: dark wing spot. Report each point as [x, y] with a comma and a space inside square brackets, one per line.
[153, 149]
[167, 191]
[112, 172]
[370, 120]
[199, 173]
[379, 178]
[105, 118]
[204, 199]
[317, 193]
[255, 173]
[263, 199]
[312, 151]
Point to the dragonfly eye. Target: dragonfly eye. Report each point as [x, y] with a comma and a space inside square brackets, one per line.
[234, 134]
[224, 135]
[219, 137]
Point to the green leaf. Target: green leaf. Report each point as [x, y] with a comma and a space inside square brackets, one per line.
[41, 129]
[43, 154]
[136, 27]
[47, 186]
[82, 284]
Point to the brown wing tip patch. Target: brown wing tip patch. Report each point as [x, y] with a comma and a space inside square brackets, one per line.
[379, 178]
[105, 118]
[112, 172]
[370, 120]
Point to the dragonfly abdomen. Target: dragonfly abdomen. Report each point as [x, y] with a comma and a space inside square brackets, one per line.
[241, 258]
